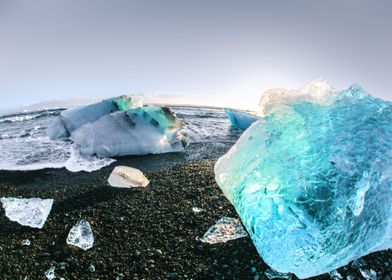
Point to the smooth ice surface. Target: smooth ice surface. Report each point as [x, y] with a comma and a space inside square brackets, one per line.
[312, 181]
[224, 230]
[140, 131]
[31, 212]
[127, 177]
[239, 119]
[81, 235]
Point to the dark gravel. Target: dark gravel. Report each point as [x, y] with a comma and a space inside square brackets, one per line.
[148, 233]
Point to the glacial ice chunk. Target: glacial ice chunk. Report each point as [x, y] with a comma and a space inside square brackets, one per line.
[120, 126]
[140, 131]
[73, 118]
[127, 177]
[57, 129]
[31, 212]
[240, 119]
[224, 230]
[81, 235]
[312, 180]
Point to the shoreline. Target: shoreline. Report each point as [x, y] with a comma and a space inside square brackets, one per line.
[141, 233]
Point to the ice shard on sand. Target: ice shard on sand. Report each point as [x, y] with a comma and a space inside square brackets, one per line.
[81, 235]
[31, 212]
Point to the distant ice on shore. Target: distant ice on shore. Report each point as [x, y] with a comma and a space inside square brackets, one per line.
[25, 146]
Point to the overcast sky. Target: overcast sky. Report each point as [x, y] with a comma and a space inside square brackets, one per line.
[218, 52]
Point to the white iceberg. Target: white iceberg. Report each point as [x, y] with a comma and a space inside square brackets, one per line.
[31, 212]
[146, 130]
[121, 126]
[224, 230]
[127, 177]
[81, 235]
[75, 117]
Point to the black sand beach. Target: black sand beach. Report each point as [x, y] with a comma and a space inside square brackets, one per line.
[148, 233]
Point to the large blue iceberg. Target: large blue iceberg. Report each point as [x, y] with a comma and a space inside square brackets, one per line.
[239, 119]
[312, 179]
[121, 126]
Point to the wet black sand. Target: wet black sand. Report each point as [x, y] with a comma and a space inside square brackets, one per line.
[139, 233]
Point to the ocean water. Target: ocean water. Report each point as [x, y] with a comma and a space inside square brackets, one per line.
[24, 144]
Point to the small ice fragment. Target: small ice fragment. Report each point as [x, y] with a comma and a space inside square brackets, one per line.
[224, 230]
[91, 268]
[127, 177]
[273, 274]
[31, 212]
[50, 273]
[197, 210]
[358, 263]
[335, 275]
[368, 274]
[26, 242]
[81, 235]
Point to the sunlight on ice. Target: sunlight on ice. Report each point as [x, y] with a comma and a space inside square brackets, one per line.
[311, 180]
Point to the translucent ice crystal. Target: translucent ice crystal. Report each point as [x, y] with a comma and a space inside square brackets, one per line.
[224, 230]
[81, 235]
[312, 179]
[31, 212]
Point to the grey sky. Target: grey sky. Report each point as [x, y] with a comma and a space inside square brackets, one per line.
[218, 52]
